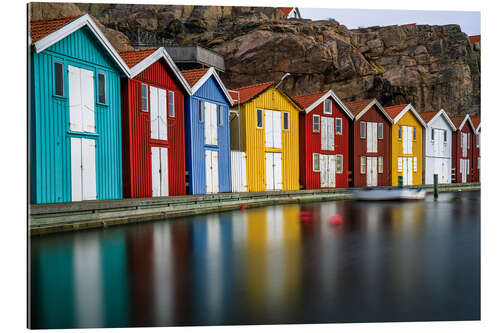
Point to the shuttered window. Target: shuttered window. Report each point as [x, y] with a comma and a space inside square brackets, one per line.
[259, 118]
[171, 104]
[316, 167]
[144, 97]
[478, 137]
[380, 131]
[101, 82]
[339, 164]
[59, 79]
[445, 136]
[327, 106]
[338, 126]
[363, 165]
[220, 115]
[399, 132]
[363, 130]
[432, 134]
[468, 140]
[316, 125]
[414, 133]
[201, 111]
[380, 164]
[285, 120]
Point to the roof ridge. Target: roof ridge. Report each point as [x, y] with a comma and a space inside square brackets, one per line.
[195, 69]
[139, 50]
[57, 18]
[315, 93]
[253, 85]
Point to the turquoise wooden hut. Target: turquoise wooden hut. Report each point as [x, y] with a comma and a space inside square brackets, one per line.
[74, 125]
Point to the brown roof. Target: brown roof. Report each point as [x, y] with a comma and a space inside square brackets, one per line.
[395, 110]
[357, 106]
[249, 92]
[476, 120]
[132, 58]
[286, 10]
[42, 28]
[194, 75]
[457, 120]
[475, 39]
[427, 116]
[305, 100]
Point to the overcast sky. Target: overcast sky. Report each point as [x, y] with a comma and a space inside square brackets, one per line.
[354, 18]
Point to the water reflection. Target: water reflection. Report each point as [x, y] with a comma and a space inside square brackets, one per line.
[382, 262]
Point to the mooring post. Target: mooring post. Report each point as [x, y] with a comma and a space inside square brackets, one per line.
[435, 186]
[400, 181]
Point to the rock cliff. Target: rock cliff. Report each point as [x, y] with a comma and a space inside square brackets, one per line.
[431, 67]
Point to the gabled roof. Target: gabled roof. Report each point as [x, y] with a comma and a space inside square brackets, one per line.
[44, 33]
[475, 39]
[359, 108]
[311, 101]
[148, 57]
[248, 93]
[476, 121]
[286, 10]
[459, 121]
[398, 111]
[197, 77]
[134, 57]
[431, 116]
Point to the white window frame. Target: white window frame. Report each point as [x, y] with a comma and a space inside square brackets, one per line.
[143, 85]
[220, 118]
[380, 132]
[432, 134]
[261, 118]
[361, 129]
[414, 133]
[316, 116]
[316, 155]
[340, 121]
[99, 88]
[171, 98]
[399, 132]
[362, 169]
[201, 111]
[415, 163]
[339, 163]
[63, 80]
[325, 109]
[445, 137]
[287, 128]
[380, 164]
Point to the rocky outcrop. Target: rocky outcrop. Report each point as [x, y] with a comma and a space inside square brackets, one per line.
[431, 67]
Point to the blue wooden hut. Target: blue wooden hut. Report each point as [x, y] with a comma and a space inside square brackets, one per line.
[75, 130]
[207, 132]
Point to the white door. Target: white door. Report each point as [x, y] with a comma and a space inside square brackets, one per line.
[371, 137]
[273, 172]
[324, 133]
[331, 133]
[159, 171]
[83, 169]
[409, 173]
[371, 171]
[81, 100]
[276, 129]
[323, 174]
[268, 127]
[331, 170]
[269, 172]
[158, 113]
[212, 171]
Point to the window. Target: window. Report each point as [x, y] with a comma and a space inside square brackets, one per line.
[380, 131]
[171, 104]
[315, 123]
[415, 164]
[220, 115]
[445, 136]
[327, 106]
[478, 137]
[338, 126]
[380, 164]
[400, 164]
[101, 82]
[414, 133]
[259, 118]
[59, 78]
[432, 134]
[315, 162]
[363, 165]
[339, 164]
[363, 130]
[285, 121]
[201, 111]
[468, 140]
[144, 97]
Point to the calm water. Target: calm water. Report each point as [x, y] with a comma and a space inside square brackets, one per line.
[386, 262]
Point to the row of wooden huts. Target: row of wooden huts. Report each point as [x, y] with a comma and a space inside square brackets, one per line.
[108, 125]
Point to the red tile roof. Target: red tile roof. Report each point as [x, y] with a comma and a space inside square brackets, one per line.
[305, 100]
[132, 58]
[194, 75]
[249, 92]
[395, 110]
[427, 116]
[475, 39]
[457, 120]
[476, 120]
[42, 28]
[286, 10]
[357, 106]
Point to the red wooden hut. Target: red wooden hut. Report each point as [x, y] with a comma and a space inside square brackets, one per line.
[461, 151]
[153, 125]
[476, 148]
[323, 140]
[370, 142]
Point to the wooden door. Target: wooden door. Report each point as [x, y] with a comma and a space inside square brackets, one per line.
[269, 172]
[212, 171]
[323, 174]
[278, 176]
[331, 170]
[83, 169]
[276, 129]
[81, 100]
[371, 171]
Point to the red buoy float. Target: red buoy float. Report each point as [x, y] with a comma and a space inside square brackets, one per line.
[305, 216]
[335, 219]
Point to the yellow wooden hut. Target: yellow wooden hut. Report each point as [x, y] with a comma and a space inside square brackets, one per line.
[265, 129]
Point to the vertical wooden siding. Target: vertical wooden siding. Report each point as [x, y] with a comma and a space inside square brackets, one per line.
[195, 139]
[137, 134]
[253, 141]
[457, 152]
[359, 148]
[311, 143]
[50, 151]
[476, 153]
[408, 119]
